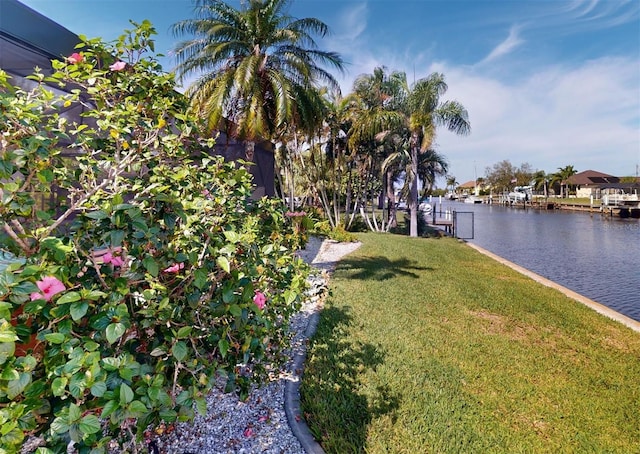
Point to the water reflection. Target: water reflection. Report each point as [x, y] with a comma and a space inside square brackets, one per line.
[594, 255]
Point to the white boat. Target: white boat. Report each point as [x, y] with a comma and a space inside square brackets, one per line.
[425, 208]
[473, 199]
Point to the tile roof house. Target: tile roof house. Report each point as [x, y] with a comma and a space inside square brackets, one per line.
[590, 183]
[29, 39]
[466, 188]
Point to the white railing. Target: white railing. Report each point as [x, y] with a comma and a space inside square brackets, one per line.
[620, 199]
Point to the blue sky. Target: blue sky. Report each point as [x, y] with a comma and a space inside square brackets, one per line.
[550, 83]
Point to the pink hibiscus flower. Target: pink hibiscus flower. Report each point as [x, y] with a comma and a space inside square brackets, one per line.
[75, 58]
[259, 299]
[118, 66]
[49, 286]
[115, 260]
[174, 268]
[114, 256]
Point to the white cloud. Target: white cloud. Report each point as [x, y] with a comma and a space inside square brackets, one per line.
[599, 14]
[588, 117]
[352, 21]
[505, 47]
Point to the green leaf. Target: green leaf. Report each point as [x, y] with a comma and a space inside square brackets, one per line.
[30, 270]
[109, 408]
[126, 394]
[200, 278]
[201, 405]
[55, 338]
[97, 215]
[136, 409]
[8, 336]
[77, 385]
[229, 296]
[78, 310]
[235, 310]
[223, 263]
[25, 288]
[42, 450]
[59, 426]
[58, 386]
[94, 295]
[69, 297]
[168, 415]
[15, 387]
[184, 332]
[180, 350]
[45, 175]
[122, 311]
[91, 346]
[158, 351]
[229, 249]
[110, 363]
[151, 266]
[223, 345]
[75, 412]
[232, 237]
[116, 237]
[90, 424]
[98, 389]
[129, 371]
[12, 436]
[114, 332]
[9, 374]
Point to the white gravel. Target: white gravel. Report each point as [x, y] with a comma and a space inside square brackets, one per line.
[258, 425]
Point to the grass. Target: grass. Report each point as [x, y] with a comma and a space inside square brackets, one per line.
[425, 345]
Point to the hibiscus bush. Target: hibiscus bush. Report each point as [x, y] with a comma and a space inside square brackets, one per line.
[135, 269]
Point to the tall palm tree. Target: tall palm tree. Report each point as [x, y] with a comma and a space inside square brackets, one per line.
[413, 112]
[562, 175]
[451, 182]
[431, 165]
[425, 113]
[255, 66]
[540, 180]
[374, 111]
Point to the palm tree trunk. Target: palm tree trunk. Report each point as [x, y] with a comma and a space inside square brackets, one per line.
[413, 195]
[391, 199]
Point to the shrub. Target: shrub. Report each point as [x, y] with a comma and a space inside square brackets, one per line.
[152, 272]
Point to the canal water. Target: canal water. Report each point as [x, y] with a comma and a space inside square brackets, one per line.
[596, 256]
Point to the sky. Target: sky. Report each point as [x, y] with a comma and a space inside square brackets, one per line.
[549, 83]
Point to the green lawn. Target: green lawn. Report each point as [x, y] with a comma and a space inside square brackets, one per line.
[425, 345]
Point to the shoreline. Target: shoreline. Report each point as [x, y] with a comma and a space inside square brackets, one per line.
[598, 307]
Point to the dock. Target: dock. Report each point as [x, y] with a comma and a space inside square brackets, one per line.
[443, 221]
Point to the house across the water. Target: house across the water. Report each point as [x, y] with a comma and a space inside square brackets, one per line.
[597, 184]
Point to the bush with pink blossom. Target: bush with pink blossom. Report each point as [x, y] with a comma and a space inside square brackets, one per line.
[148, 273]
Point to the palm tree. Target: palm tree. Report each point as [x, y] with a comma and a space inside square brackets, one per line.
[562, 175]
[424, 113]
[431, 165]
[388, 106]
[373, 108]
[256, 66]
[540, 180]
[451, 182]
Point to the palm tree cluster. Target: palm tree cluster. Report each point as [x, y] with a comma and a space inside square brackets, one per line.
[261, 69]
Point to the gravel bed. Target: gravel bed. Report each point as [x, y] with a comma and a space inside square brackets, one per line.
[258, 425]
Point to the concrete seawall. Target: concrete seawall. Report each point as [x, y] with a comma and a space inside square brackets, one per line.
[601, 309]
